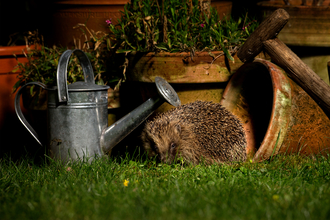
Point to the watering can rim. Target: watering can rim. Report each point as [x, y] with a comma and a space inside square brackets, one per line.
[81, 86]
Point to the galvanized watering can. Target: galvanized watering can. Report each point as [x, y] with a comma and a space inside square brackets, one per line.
[78, 114]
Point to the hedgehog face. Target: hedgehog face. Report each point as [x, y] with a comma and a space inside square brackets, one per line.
[168, 151]
[163, 142]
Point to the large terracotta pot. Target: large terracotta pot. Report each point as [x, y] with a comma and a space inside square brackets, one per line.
[278, 116]
[195, 79]
[192, 80]
[68, 13]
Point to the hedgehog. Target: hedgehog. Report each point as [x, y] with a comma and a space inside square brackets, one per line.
[196, 132]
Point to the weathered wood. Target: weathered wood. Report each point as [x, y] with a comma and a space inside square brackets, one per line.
[328, 65]
[268, 29]
[299, 72]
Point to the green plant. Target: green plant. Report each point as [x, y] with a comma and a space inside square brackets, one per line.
[42, 61]
[146, 25]
[177, 26]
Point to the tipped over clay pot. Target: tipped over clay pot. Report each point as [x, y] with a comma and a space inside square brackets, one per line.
[278, 116]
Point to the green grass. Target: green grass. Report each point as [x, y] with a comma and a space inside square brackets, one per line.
[287, 187]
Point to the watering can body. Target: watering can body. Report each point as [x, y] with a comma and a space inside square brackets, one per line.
[77, 119]
[75, 128]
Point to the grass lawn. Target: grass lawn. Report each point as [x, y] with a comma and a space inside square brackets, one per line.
[285, 187]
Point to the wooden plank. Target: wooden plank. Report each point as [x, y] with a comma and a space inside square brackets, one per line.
[303, 75]
[268, 29]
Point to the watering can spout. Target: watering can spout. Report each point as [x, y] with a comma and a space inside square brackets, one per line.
[112, 135]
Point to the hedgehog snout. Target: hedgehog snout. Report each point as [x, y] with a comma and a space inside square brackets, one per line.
[171, 154]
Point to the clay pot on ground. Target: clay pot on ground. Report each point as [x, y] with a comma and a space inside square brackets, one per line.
[307, 32]
[277, 115]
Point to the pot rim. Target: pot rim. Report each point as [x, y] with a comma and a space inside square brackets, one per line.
[18, 50]
[176, 54]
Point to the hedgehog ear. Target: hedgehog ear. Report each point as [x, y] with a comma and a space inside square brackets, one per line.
[178, 128]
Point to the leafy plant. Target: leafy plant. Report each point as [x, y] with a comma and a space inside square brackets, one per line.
[145, 26]
[42, 61]
[176, 26]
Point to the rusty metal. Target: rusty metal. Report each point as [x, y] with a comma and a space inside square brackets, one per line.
[277, 115]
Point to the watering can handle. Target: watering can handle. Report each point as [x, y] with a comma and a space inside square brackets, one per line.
[19, 111]
[62, 72]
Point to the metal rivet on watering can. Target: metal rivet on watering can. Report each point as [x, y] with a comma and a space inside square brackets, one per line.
[277, 115]
[78, 114]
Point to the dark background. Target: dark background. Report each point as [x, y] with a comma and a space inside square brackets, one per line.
[18, 16]
[29, 15]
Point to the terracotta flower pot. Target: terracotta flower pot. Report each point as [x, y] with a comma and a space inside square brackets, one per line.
[192, 80]
[68, 13]
[8, 78]
[278, 116]
[195, 79]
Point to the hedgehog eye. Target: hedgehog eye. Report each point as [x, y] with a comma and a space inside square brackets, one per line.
[173, 145]
[156, 149]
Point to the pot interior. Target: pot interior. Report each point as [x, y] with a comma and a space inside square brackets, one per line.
[249, 96]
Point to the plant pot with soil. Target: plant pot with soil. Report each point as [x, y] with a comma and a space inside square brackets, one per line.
[183, 42]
